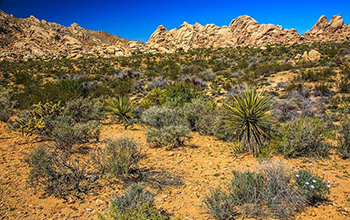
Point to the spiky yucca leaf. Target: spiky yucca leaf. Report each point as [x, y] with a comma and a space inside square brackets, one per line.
[122, 108]
[249, 115]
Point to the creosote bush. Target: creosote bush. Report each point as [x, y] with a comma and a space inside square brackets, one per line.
[119, 158]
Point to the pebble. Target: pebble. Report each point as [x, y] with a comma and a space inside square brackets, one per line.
[99, 202]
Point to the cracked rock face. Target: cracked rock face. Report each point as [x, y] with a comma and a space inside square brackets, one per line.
[29, 38]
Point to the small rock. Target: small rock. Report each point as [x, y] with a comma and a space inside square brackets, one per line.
[89, 210]
[99, 202]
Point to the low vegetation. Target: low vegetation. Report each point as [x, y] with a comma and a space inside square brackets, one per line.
[273, 191]
[237, 95]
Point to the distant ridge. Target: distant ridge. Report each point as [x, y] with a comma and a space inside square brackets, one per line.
[29, 38]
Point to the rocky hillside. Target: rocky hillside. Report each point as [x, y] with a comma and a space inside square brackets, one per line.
[244, 31]
[29, 38]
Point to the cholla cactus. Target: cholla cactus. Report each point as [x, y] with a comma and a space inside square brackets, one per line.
[35, 121]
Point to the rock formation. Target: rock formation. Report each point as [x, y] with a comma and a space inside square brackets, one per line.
[29, 38]
[244, 31]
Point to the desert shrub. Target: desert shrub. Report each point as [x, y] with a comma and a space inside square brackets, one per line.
[154, 97]
[344, 85]
[172, 136]
[168, 126]
[193, 80]
[61, 91]
[161, 82]
[344, 140]
[135, 204]
[269, 192]
[199, 110]
[180, 93]
[304, 137]
[83, 110]
[207, 75]
[309, 75]
[6, 106]
[285, 110]
[159, 117]
[57, 172]
[250, 118]
[306, 105]
[66, 133]
[122, 109]
[312, 187]
[220, 206]
[37, 120]
[119, 158]
[322, 90]
[279, 193]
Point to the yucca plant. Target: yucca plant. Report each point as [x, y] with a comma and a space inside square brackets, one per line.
[249, 117]
[122, 108]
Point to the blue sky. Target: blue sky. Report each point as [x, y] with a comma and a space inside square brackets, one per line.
[137, 20]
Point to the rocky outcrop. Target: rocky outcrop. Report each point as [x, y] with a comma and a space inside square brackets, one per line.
[312, 55]
[244, 31]
[29, 38]
[334, 30]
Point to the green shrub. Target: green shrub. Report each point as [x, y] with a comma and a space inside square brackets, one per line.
[180, 93]
[168, 127]
[200, 111]
[136, 204]
[159, 117]
[83, 110]
[344, 140]
[119, 158]
[304, 137]
[154, 97]
[312, 187]
[220, 206]
[6, 106]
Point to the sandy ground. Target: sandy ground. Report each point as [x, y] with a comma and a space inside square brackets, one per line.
[181, 178]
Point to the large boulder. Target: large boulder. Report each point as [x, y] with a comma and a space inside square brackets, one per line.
[313, 56]
[336, 22]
